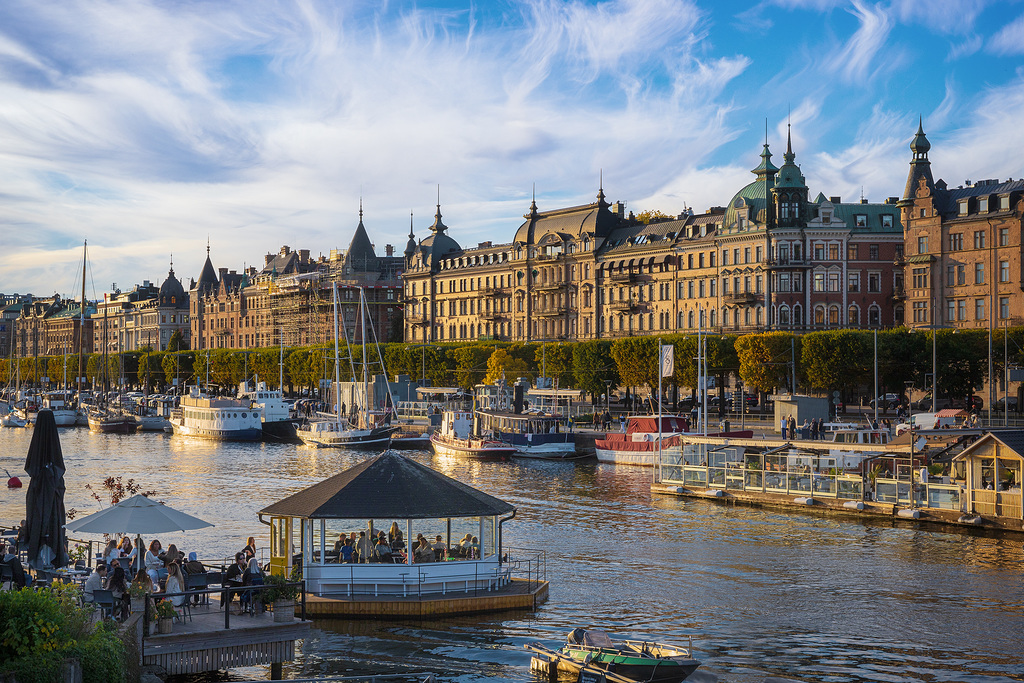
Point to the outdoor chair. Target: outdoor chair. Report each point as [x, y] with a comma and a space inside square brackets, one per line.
[198, 582]
[6, 576]
[104, 601]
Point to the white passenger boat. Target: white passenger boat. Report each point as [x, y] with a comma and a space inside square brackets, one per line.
[64, 414]
[532, 435]
[278, 423]
[223, 419]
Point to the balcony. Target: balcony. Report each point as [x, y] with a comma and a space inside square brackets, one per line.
[550, 286]
[623, 276]
[624, 306]
[742, 298]
[494, 290]
[899, 294]
[785, 263]
[549, 312]
[494, 315]
[415, 320]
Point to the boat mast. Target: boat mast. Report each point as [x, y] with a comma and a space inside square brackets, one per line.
[81, 322]
[337, 376]
[280, 366]
[366, 384]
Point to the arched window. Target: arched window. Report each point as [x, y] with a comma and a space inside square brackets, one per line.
[898, 315]
[760, 315]
[874, 315]
[784, 315]
[819, 315]
[689, 318]
[833, 315]
[713, 322]
[853, 316]
[798, 315]
[680, 319]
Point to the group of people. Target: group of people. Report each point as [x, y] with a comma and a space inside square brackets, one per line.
[361, 547]
[813, 429]
[154, 571]
[246, 571]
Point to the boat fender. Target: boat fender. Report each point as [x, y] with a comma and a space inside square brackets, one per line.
[908, 513]
[680, 489]
[12, 482]
[853, 505]
[804, 501]
[717, 493]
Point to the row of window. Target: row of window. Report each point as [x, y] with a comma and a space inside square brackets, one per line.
[955, 240]
[956, 275]
[957, 309]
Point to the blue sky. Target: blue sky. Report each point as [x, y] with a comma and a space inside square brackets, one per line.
[148, 127]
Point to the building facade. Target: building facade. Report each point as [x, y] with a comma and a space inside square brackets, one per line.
[771, 259]
[963, 254]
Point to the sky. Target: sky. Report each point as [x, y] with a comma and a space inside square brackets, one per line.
[152, 128]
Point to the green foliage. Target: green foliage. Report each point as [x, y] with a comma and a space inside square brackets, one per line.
[165, 610]
[765, 359]
[555, 361]
[277, 588]
[836, 359]
[471, 364]
[502, 364]
[176, 342]
[592, 364]
[636, 360]
[649, 215]
[178, 365]
[41, 627]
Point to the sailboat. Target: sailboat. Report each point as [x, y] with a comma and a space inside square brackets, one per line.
[366, 428]
[104, 418]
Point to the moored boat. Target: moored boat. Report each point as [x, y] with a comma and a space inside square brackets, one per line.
[111, 422]
[639, 445]
[532, 435]
[457, 438]
[278, 423]
[638, 660]
[223, 419]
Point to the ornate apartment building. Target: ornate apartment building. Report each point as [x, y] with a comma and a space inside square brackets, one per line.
[143, 317]
[771, 259]
[289, 300]
[963, 248]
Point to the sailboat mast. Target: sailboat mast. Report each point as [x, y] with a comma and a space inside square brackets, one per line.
[81, 321]
[337, 376]
[280, 366]
[366, 383]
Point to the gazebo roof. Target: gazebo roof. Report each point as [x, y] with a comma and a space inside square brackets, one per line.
[389, 486]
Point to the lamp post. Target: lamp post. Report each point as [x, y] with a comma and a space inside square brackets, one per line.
[743, 403]
[608, 396]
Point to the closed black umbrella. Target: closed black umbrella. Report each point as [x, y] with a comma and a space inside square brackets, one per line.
[44, 504]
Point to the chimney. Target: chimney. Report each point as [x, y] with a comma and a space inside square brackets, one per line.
[285, 250]
[223, 272]
[892, 200]
[267, 259]
[863, 200]
[389, 250]
[303, 255]
[836, 200]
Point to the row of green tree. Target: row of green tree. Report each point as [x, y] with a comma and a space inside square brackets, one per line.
[836, 360]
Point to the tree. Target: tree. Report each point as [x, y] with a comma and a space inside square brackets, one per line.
[471, 364]
[592, 366]
[151, 372]
[836, 359]
[556, 361]
[176, 342]
[264, 365]
[651, 215]
[963, 361]
[178, 366]
[636, 360]
[502, 364]
[765, 359]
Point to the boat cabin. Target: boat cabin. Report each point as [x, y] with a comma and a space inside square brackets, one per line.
[456, 424]
[992, 467]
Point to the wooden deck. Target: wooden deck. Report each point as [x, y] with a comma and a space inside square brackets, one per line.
[203, 644]
[518, 594]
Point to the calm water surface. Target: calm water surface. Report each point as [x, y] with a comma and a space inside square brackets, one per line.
[765, 595]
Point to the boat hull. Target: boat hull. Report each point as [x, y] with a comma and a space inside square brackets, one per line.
[112, 425]
[245, 434]
[347, 438]
[485, 451]
[617, 457]
[649, 670]
[64, 418]
[548, 451]
[280, 430]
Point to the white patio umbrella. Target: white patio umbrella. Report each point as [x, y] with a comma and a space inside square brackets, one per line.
[136, 515]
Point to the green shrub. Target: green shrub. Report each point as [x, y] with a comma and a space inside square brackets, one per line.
[41, 627]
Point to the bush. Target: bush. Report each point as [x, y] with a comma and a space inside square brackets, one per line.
[278, 588]
[41, 627]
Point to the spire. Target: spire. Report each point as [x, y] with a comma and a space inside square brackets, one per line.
[533, 204]
[920, 166]
[172, 265]
[789, 156]
[438, 227]
[360, 212]
[207, 246]
[601, 202]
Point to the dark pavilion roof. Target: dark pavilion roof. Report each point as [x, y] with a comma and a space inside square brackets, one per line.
[575, 221]
[172, 293]
[360, 256]
[388, 486]
[208, 278]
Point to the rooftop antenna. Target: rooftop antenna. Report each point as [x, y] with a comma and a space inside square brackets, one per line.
[861, 193]
[207, 245]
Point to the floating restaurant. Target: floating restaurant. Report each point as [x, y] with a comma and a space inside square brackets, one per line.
[461, 566]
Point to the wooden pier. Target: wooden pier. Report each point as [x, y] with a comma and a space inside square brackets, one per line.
[203, 644]
[517, 594]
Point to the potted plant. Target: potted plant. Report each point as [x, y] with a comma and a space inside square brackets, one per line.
[281, 595]
[137, 595]
[165, 616]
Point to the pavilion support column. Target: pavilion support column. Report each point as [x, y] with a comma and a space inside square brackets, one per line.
[408, 541]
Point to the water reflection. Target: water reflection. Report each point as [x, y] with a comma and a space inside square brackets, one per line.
[793, 596]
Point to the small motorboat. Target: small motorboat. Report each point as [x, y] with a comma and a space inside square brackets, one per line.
[636, 660]
[13, 421]
[406, 441]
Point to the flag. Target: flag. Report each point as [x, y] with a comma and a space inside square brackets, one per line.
[668, 360]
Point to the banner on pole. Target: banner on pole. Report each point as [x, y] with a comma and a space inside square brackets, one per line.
[668, 360]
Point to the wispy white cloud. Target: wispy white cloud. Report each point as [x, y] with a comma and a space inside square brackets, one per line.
[955, 17]
[1010, 39]
[855, 60]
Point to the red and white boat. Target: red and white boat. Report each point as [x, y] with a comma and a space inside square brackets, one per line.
[639, 444]
[458, 438]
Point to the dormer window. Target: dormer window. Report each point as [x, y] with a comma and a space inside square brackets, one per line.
[860, 220]
[826, 216]
[1004, 203]
[963, 207]
[983, 205]
[887, 220]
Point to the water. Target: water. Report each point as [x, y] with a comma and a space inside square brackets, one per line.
[766, 595]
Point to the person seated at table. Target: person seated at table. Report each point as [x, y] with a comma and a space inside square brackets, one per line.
[423, 553]
[347, 552]
[117, 584]
[111, 553]
[474, 548]
[144, 581]
[193, 565]
[127, 550]
[465, 544]
[154, 565]
[172, 554]
[395, 537]
[175, 584]
[94, 582]
[382, 550]
[439, 548]
[9, 556]
[234, 576]
[252, 576]
[340, 542]
[250, 547]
